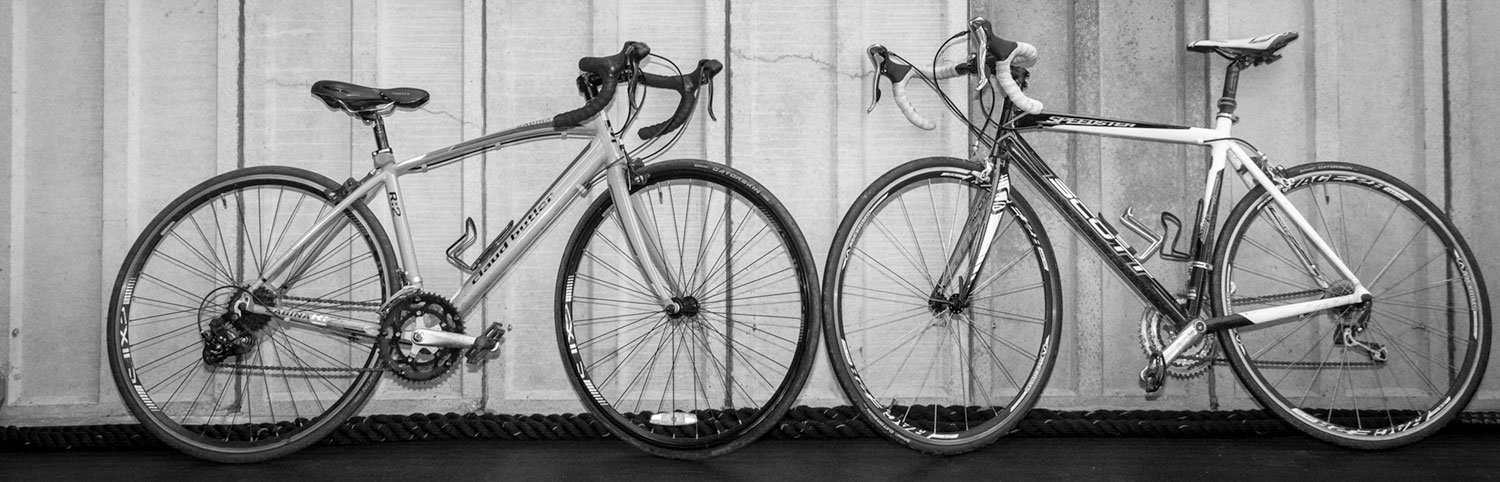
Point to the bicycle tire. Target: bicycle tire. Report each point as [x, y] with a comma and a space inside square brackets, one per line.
[754, 330]
[1361, 381]
[973, 404]
[291, 386]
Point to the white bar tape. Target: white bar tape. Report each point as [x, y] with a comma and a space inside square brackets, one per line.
[898, 89]
[1023, 56]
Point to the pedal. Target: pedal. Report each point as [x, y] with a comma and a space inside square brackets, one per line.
[1155, 373]
[487, 341]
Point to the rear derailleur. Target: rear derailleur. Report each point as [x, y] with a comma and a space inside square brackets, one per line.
[232, 333]
[1344, 335]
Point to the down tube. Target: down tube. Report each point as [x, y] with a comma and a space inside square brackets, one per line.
[571, 185]
[1105, 240]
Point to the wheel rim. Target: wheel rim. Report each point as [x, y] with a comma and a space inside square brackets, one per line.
[293, 378]
[717, 367]
[1407, 366]
[945, 368]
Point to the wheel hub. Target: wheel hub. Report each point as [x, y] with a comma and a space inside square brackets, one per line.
[687, 307]
[954, 303]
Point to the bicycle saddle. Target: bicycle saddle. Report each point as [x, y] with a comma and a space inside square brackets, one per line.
[367, 101]
[1263, 45]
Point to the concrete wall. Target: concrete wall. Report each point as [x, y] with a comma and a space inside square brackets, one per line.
[116, 106]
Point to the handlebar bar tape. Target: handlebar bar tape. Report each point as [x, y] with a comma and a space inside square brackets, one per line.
[1006, 54]
[898, 90]
[608, 71]
[686, 86]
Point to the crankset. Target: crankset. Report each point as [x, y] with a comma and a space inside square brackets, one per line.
[422, 336]
[411, 359]
[1157, 332]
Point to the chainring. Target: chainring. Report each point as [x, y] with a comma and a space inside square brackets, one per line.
[420, 310]
[1156, 333]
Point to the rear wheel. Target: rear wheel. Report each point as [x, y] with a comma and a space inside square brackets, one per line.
[1383, 374]
[229, 385]
[933, 367]
[721, 371]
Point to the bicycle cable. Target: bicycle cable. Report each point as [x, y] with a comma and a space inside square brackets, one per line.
[633, 107]
[952, 108]
[987, 111]
[635, 153]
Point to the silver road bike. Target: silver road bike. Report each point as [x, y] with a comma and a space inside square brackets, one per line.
[259, 310]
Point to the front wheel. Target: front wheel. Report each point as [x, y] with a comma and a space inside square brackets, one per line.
[723, 369]
[936, 366]
[1380, 374]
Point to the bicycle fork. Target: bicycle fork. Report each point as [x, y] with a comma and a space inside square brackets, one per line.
[976, 237]
[642, 239]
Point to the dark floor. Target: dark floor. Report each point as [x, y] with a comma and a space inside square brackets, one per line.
[1452, 455]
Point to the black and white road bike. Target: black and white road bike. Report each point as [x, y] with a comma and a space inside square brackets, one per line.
[259, 310]
[1344, 300]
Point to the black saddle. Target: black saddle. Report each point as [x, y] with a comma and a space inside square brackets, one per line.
[367, 102]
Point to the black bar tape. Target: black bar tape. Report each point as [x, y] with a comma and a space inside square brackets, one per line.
[576, 117]
[608, 70]
[686, 86]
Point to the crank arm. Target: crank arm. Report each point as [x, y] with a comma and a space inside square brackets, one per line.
[438, 338]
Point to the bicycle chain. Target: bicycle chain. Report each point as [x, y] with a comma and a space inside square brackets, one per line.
[371, 306]
[1278, 297]
[299, 369]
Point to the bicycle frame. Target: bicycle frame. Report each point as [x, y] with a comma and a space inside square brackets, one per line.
[1010, 149]
[604, 156]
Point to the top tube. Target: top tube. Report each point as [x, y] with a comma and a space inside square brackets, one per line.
[1084, 124]
[531, 131]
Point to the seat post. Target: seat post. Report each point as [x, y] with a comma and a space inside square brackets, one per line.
[382, 155]
[1227, 103]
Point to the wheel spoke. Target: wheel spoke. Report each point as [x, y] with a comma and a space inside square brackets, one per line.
[936, 361]
[729, 346]
[303, 381]
[1380, 374]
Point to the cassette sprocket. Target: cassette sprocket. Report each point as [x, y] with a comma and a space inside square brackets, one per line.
[419, 310]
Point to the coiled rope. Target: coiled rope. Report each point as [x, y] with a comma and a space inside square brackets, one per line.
[802, 422]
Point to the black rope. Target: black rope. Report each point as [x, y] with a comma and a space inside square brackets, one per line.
[802, 422]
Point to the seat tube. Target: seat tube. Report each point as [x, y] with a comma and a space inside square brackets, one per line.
[402, 229]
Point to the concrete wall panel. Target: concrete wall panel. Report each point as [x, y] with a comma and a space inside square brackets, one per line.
[103, 97]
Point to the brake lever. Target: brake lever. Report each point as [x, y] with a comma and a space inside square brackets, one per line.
[879, 58]
[977, 30]
[708, 84]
